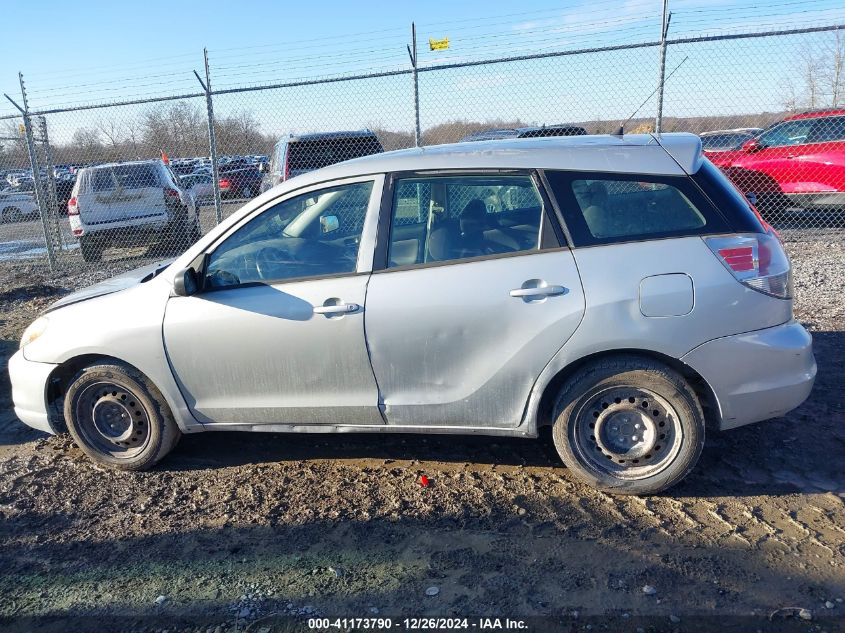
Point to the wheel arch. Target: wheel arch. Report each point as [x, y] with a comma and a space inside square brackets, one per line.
[705, 393]
[59, 381]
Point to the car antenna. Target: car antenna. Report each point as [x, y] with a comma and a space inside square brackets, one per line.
[621, 130]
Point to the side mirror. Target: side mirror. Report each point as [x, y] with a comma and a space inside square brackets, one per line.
[185, 283]
[329, 223]
[751, 145]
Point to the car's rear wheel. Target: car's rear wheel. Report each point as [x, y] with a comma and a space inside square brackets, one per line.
[12, 214]
[119, 418]
[92, 250]
[628, 425]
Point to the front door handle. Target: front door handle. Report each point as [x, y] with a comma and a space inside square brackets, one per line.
[339, 308]
[538, 291]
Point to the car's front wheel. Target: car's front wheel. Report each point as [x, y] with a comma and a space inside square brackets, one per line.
[119, 418]
[628, 425]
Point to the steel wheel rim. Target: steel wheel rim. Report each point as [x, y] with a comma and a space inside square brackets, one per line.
[112, 420]
[628, 432]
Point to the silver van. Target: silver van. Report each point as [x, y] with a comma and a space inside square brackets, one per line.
[297, 154]
[617, 289]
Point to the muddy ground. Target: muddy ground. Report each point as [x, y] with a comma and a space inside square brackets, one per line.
[260, 532]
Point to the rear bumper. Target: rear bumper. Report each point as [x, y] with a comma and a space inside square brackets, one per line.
[757, 375]
[29, 390]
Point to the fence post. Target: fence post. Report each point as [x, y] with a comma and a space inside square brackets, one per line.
[661, 78]
[412, 51]
[52, 196]
[36, 173]
[212, 137]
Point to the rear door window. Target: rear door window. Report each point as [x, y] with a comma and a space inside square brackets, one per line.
[607, 208]
[444, 218]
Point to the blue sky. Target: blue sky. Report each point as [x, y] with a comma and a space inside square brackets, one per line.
[96, 51]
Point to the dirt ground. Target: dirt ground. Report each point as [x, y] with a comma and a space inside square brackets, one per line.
[262, 532]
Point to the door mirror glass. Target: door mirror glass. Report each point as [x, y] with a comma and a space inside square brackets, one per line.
[329, 223]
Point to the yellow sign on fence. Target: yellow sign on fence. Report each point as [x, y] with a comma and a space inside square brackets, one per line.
[438, 45]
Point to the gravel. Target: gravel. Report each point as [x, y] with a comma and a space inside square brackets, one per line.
[229, 529]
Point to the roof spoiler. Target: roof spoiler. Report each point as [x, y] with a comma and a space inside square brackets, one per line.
[684, 148]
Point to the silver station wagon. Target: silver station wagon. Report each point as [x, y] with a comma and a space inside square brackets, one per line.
[618, 289]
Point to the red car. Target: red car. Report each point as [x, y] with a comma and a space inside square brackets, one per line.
[797, 163]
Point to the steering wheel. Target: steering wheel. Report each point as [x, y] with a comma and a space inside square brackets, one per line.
[267, 261]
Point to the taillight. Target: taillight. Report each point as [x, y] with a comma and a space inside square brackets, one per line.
[171, 193]
[756, 260]
[287, 167]
[225, 183]
[72, 206]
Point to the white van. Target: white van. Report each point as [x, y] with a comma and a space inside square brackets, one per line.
[129, 204]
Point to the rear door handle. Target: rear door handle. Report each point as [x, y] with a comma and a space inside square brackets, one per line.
[340, 308]
[541, 291]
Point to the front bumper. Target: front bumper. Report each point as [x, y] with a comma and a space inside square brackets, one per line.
[29, 391]
[757, 375]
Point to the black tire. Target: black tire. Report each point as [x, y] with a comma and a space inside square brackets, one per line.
[118, 417]
[92, 250]
[628, 425]
[12, 214]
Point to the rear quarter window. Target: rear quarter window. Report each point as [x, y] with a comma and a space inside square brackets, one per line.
[606, 208]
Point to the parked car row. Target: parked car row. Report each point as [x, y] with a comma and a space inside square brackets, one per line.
[796, 164]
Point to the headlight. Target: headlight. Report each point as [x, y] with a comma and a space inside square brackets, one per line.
[35, 330]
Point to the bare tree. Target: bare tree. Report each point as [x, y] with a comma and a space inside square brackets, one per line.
[111, 130]
[822, 76]
[13, 151]
[834, 69]
[88, 144]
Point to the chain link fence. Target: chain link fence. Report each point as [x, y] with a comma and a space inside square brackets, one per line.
[106, 184]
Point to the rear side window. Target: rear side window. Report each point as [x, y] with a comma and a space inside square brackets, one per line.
[607, 208]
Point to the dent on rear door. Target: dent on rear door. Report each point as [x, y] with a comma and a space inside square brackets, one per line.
[450, 346]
